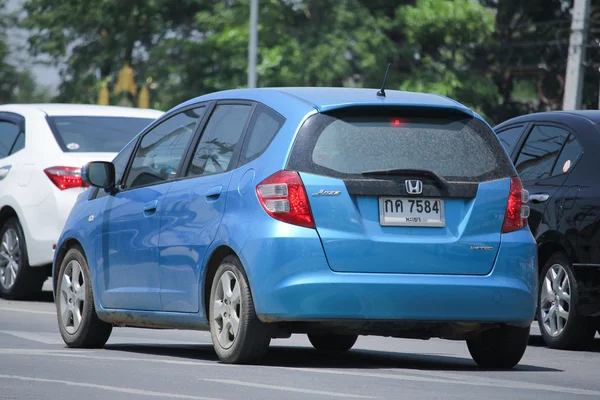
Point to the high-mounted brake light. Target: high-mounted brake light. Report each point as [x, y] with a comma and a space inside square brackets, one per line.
[65, 177]
[284, 198]
[517, 210]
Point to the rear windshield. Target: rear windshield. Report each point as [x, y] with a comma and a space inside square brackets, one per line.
[95, 134]
[455, 146]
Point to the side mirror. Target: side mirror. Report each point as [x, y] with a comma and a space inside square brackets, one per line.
[99, 174]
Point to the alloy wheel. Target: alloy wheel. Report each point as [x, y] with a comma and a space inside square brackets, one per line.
[10, 258]
[227, 309]
[555, 300]
[72, 297]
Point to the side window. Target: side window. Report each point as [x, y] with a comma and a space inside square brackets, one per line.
[19, 143]
[263, 127]
[540, 152]
[569, 154]
[121, 161]
[219, 139]
[509, 137]
[8, 135]
[162, 148]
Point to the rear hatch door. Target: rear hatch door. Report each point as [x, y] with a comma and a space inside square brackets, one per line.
[395, 190]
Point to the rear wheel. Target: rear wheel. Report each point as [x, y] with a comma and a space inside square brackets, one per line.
[562, 327]
[238, 336]
[78, 322]
[17, 278]
[336, 343]
[500, 347]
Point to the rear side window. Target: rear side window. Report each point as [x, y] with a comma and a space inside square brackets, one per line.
[263, 127]
[569, 154]
[95, 134]
[458, 147]
[509, 137]
[540, 152]
[9, 133]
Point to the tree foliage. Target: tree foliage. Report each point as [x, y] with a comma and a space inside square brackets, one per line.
[488, 54]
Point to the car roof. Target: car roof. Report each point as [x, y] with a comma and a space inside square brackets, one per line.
[58, 109]
[329, 98]
[592, 116]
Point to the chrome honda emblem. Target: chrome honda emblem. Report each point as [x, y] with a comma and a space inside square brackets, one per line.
[414, 186]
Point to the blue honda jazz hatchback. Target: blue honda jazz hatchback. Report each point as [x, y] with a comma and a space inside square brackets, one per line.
[331, 212]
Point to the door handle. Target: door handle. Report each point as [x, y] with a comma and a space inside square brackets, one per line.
[150, 207]
[214, 192]
[539, 197]
[4, 171]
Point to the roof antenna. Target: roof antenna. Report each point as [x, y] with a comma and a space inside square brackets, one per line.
[381, 92]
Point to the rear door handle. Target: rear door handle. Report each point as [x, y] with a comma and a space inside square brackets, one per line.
[214, 192]
[150, 207]
[539, 197]
[4, 171]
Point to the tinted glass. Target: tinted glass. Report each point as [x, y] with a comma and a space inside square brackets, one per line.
[509, 138]
[569, 154]
[161, 149]
[219, 140]
[8, 135]
[96, 134]
[263, 127]
[454, 146]
[121, 161]
[19, 143]
[540, 151]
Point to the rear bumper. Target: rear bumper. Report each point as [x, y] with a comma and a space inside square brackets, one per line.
[294, 283]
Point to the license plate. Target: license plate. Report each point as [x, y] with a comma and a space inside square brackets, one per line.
[403, 211]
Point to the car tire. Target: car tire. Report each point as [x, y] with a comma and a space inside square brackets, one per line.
[18, 279]
[333, 343]
[238, 336]
[501, 347]
[562, 327]
[78, 322]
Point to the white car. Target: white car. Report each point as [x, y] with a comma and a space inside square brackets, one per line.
[42, 149]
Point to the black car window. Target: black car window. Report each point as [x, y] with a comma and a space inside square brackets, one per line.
[8, 135]
[121, 160]
[569, 154]
[162, 148]
[219, 139]
[264, 125]
[540, 152]
[509, 137]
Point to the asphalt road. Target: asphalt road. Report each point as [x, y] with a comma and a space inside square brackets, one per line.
[137, 363]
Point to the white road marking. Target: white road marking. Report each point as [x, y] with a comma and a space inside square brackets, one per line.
[427, 376]
[109, 388]
[23, 310]
[287, 388]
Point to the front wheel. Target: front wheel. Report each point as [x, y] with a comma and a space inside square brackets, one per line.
[499, 347]
[78, 322]
[336, 343]
[238, 336]
[561, 325]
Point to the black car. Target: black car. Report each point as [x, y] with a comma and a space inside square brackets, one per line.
[557, 155]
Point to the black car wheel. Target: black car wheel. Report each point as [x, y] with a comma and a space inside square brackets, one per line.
[333, 342]
[561, 325]
[499, 347]
[17, 278]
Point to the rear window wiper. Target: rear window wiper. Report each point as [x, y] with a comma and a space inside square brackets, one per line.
[404, 171]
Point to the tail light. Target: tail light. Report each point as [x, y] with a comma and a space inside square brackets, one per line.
[284, 198]
[65, 177]
[517, 210]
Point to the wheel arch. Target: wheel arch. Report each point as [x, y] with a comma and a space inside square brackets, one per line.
[213, 263]
[61, 251]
